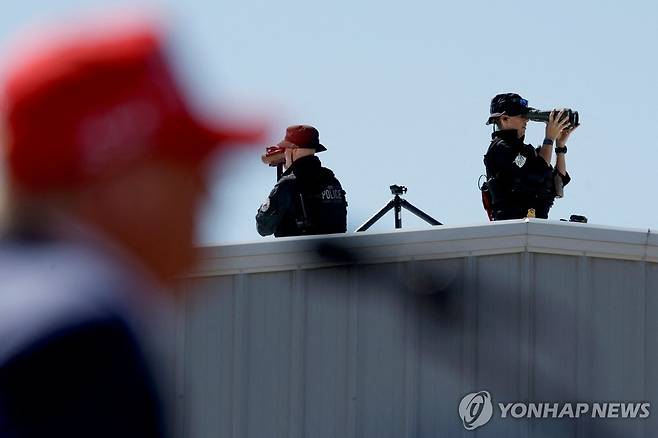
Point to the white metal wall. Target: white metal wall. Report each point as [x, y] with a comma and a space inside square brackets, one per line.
[387, 348]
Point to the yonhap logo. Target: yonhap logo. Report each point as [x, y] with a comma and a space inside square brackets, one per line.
[476, 409]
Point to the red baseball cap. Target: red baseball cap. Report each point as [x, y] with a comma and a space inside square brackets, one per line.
[83, 105]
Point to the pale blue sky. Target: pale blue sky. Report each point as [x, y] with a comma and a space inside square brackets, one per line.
[400, 92]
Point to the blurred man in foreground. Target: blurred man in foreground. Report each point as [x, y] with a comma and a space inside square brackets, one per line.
[307, 199]
[106, 174]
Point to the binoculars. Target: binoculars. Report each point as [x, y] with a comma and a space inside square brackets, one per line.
[274, 156]
[542, 116]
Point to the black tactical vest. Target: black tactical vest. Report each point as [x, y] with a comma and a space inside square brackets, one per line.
[319, 204]
[529, 183]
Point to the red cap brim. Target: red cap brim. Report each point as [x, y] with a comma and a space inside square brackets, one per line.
[195, 139]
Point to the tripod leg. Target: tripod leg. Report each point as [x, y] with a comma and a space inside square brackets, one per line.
[377, 216]
[397, 203]
[421, 214]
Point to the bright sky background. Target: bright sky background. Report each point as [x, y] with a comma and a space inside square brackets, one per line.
[400, 92]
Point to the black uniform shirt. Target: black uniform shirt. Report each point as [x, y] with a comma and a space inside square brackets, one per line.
[519, 178]
[308, 199]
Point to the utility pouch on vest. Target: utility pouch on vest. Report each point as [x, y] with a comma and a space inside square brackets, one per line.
[302, 220]
[559, 185]
[486, 199]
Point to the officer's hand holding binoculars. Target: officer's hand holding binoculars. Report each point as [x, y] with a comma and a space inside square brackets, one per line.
[557, 125]
[562, 138]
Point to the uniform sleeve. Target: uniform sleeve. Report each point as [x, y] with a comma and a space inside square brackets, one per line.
[276, 206]
[565, 178]
[90, 380]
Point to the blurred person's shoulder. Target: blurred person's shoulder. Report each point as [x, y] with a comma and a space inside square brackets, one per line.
[51, 286]
[71, 361]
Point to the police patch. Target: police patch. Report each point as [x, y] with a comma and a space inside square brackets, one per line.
[520, 160]
[265, 206]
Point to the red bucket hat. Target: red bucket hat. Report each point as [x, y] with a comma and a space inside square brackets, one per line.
[302, 136]
[81, 106]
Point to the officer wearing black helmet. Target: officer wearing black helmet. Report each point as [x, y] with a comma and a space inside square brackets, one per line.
[307, 199]
[520, 178]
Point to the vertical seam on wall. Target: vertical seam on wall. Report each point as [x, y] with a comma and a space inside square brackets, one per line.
[180, 368]
[469, 345]
[353, 355]
[525, 334]
[411, 351]
[238, 351]
[203, 296]
[644, 335]
[582, 296]
[297, 370]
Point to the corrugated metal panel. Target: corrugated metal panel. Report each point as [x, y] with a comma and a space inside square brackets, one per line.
[388, 344]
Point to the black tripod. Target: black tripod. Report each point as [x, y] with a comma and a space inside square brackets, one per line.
[398, 203]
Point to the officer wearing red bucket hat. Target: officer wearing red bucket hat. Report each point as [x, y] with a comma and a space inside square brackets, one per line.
[105, 177]
[307, 199]
[521, 181]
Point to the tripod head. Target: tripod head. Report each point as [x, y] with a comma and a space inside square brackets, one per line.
[398, 190]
